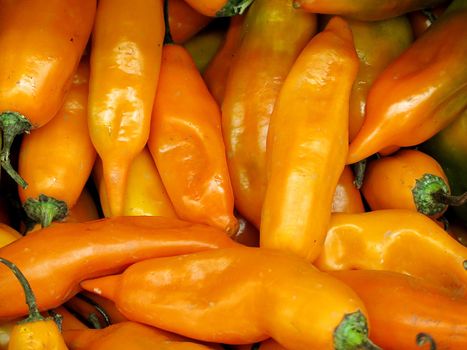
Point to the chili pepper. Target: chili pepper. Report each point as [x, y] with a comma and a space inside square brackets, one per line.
[89, 310]
[420, 92]
[5, 332]
[41, 47]
[186, 144]
[415, 307]
[62, 255]
[69, 321]
[408, 180]
[449, 148]
[423, 19]
[274, 34]
[203, 46]
[347, 198]
[8, 235]
[108, 305]
[395, 240]
[266, 293]
[215, 74]
[57, 159]
[364, 10]
[184, 21]
[35, 332]
[220, 8]
[125, 63]
[145, 193]
[377, 44]
[84, 210]
[307, 143]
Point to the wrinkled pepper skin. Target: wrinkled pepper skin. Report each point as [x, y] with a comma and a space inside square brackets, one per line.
[274, 33]
[266, 293]
[406, 180]
[307, 143]
[57, 258]
[129, 336]
[145, 193]
[395, 240]
[449, 148]
[184, 21]
[364, 10]
[377, 45]
[414, 307]
[41, 47]
[125, 62]
[57, 159]
[420, 92]
[186, 144]
[220, 8]
[217, 71]
[347, 198]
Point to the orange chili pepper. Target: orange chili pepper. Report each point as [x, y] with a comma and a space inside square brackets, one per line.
[84, 210]
[186, 144]
[420, 92]
[184, 21]
[57, 159]
[35, 332]
[109, 307]
[347, 198]
[415, 307]
[5, 332]
[8, 235]
[307, 143]
[364, 10]
[265, 293]
[215, 74]
[220, 8]
[125, 62]
[90, 311]
[62, 255]
[68, 320]
[41, 46]
[145, 193]
[395, 240]
[408, 180]
[128, 336]
[274, 35]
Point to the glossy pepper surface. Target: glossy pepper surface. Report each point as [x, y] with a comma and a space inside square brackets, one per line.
[41, 47]
[35, 332]
[395, 240]
[220, 8]
[184, 21]
[307, 143]
[84, 210]
[274, 33]
[266, 293]
[8, 235]
[415, 307]
[62, 255]
[125, 63]
[347, 198]
[57, 159]
[187, 146]
[364, 10]
[419, 93]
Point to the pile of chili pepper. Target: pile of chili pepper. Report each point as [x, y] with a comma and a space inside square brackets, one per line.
[233, 174]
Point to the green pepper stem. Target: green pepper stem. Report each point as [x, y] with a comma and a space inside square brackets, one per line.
[423, 338]
[12, 124]
[45, 209]
[234, 7]
[34, 314]
[444, 198]
[352, 333]
[425, 194]
[359, 170]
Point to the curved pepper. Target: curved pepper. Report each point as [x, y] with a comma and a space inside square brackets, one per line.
[410, 179]
[220, 8]
[364, 10]
[35, 332]
[414, 307]
[41, 45]
[395, 240]
[307, 143]
[57, 159]
[184, 21]
[265, 293]
[274, 34]
[145, 193]
[57, 258]
[125, 63]
[129, 336]
[420, 92]
[186, 144]
[347, 198]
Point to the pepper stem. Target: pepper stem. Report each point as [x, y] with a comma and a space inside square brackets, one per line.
[425, 194]
[99, 308]
[12, 124]
[234, 7]
[423, 338]
[442, 197]
[359, 170]
[34, 314]
[352, 333]
[45, 209]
